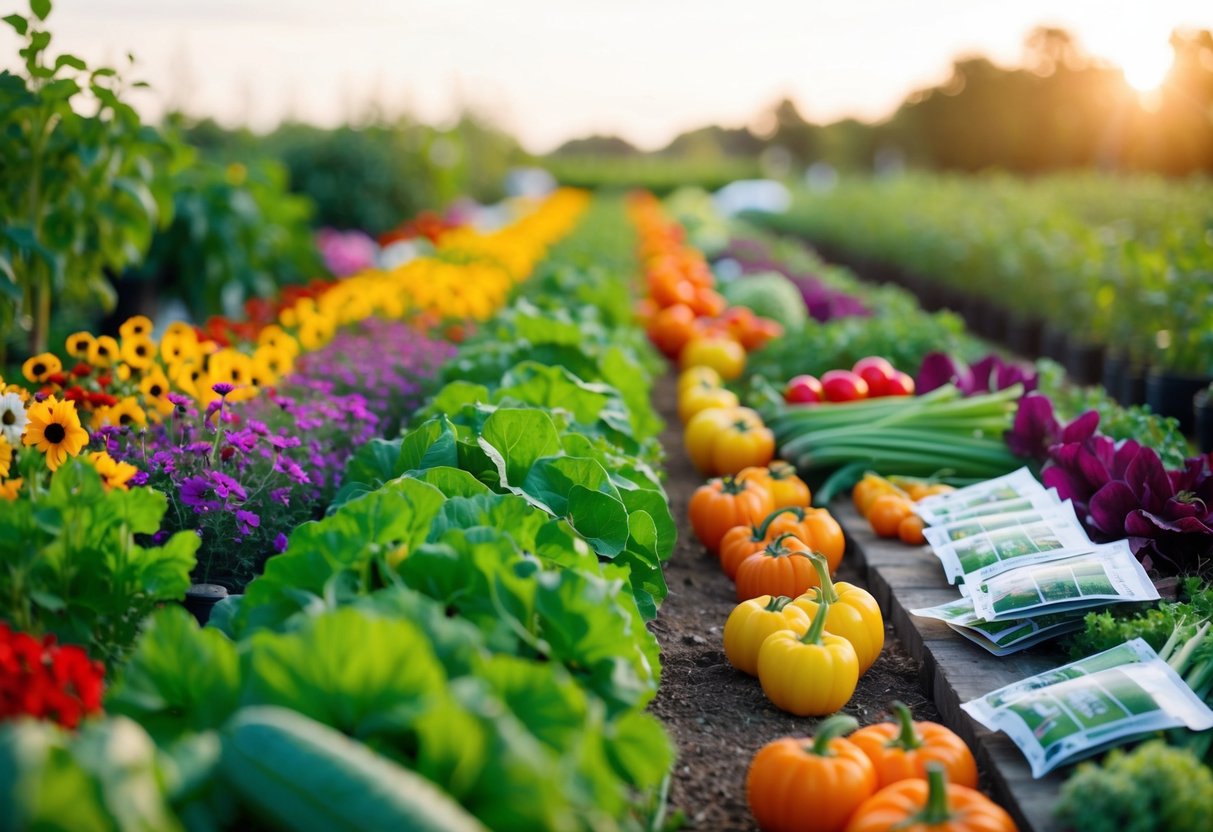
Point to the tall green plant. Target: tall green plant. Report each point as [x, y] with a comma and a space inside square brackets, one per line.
[78, 188]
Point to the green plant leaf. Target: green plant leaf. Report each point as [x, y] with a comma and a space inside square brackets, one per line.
[427, 446]
[19, 23]
[40, 8]
[514, 438]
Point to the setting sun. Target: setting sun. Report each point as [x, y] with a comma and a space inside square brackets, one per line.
[1146, 68]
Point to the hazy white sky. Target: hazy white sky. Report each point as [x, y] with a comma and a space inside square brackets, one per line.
[552, 69]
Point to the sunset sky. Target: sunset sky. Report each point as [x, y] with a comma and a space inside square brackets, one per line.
[550, 70]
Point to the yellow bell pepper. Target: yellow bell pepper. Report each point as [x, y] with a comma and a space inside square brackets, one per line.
[752, 621]
[808, 675]
[853, 614]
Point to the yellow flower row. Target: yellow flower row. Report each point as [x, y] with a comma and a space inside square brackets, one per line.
[129, 378]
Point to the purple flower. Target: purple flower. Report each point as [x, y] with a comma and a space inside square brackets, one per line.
[226, 486]
[988, 375]
[213, 407]
[243, 439]
[223, 388]
[281, 495]
[137, 479]
[178, 399]
[193, 492]
[246, 521]
[280, 543]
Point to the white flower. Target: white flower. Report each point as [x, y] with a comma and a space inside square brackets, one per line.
[12, 418]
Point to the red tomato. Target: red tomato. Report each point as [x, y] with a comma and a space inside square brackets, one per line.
[671, 328]
[843, 386]
[803, 389]
[877, 372]
[900, 384]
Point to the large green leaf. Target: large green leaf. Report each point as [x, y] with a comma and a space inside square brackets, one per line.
[429, 445]
[514, 438]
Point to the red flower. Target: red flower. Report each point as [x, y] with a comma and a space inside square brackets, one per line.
[82, 369]
[75, 393]
[102, 400]
[57, 378]
[104, 381]
[47, 681]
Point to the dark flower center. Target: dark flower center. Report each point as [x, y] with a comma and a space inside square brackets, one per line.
[140, 350]
[54, 433]
[155, 390]
[103, 350]
[39, 368]
[235, 375]
[124, 419]
[9, 418]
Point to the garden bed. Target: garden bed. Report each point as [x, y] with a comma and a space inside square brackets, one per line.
[718, 716]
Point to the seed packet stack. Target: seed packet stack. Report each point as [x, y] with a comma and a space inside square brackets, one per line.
[1026, 570]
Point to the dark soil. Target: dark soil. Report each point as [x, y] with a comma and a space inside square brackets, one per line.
[719, 716]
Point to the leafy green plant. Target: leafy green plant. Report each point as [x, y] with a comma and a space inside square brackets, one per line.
[70, 564]
[236, 233]
[79, 191]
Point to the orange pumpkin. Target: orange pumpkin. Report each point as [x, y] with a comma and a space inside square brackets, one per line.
[809, 785]
[783, 567]
[930, 805]
[901, 750]
[816, 527]
[725, 502]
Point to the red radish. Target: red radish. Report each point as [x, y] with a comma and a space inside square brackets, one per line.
[803, 389]
[900, 384]
[843, 386]
[877, 372]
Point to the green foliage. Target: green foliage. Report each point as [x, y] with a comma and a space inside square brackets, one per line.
[770, 295]
[236, 233]
[1155, 624]
[1154, 787]
[79, 193]
[661, 175]
[69, 563]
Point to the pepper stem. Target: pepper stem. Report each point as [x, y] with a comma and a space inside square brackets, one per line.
[776, 547]
[813, 634]
[766, 524]
[936, 811]
[777, 603]
[822, 567]
[833, 727]
[907, 739]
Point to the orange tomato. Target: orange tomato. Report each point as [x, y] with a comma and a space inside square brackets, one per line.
[931, 805]
[901, 750]
[723, 503]
[886, 513]
[816, 527]
[779, 477]
[782, 567]
[910, 529]
[671, 329]
[800, 785]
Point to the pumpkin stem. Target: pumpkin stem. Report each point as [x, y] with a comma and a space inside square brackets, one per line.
[813, 634]
[766, 524]
[777, 603]
[833, 727]
[936, 811]
[822, 568]
[908, 738]
[732, 485]
[776, 548]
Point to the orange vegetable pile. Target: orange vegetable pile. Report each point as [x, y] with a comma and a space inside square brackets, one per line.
[888, 505]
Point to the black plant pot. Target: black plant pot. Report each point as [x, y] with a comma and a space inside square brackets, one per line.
[1024, 334]
[1084, 360]
[1172, 394]
[1202, 406]
[200, 599]
[1113, 373]
[1133, 386]
[1053, 343]
[993, 322]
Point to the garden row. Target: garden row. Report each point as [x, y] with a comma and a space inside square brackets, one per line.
[458, 643]
[1111, 276]
[1033, 562]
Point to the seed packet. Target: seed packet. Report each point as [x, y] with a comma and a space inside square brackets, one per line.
[1040, 501]
[1091, 577]
[1001, 637]
[1078, 710]
[939, 508]
[993, 544]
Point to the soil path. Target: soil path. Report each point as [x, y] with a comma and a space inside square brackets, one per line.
[718, 716]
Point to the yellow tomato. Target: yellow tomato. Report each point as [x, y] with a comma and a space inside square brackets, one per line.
[752, 621]
[721, 353]
[700, 398]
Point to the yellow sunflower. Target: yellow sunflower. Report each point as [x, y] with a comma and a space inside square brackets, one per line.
[231, 366]
[103, 352]
[6, 457]
[127, 413]
[54, 429]
[78, 344]
[138, 352]
[154, 386]
[276, 337]
[136, 327]
[114, 474]
[36, 369]
[271, 364]
[179, 347]
[9, 488]
[189, 378]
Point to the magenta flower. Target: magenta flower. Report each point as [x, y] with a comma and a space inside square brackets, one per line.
[988, 375]
[223, 388]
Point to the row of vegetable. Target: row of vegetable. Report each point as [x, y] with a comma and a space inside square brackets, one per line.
[972, 423]
[806, 637]
[459, 643]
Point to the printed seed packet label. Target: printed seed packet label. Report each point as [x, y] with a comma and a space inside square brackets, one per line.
[1040, 501]
[1001, 637]
[1092, 577]
[941, 507]
[989, 545]
[1066, 714]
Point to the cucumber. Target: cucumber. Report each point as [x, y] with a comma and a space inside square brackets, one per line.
[298, 774]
